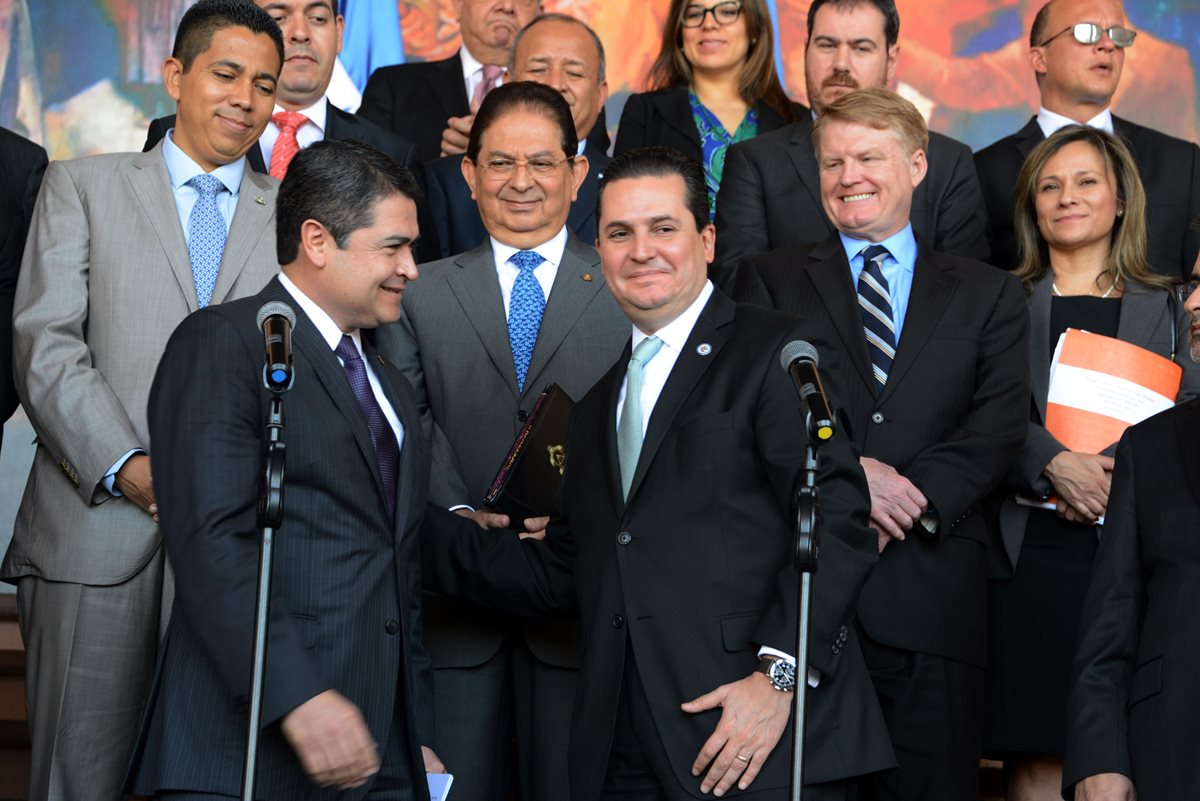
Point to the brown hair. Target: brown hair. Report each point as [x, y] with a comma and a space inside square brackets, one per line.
[757, 80]
[1127, 252]
[878, 108]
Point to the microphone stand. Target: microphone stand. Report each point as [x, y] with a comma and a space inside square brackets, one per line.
[805, 553]
[270, 516]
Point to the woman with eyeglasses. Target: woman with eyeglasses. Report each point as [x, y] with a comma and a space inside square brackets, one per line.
[713, 84]
[1080, 222]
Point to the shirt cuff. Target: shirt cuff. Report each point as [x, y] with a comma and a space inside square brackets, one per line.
[814, 675]
[109, 482]
[466, 506]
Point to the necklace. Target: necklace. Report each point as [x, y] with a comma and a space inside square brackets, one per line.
[1107, 292]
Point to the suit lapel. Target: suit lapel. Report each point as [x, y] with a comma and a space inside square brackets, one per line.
[830, 275]
[252, 221]
[569, 297]
[338, 124]
[1028, 138]
[447, 86]
[583, 209]
[688, 369]
[151, 184]
[612, 461]
[1141, 311]
[674, 107]
[769, 119]
[800, 152]
[254, 159]
[931, 290]
[1039, 344]
[474, 283]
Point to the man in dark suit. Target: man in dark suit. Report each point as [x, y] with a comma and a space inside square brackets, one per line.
[22, 164]
[478, 359]
[346, 700]
[674, 534]
[1076, 79]
[929, 362]
[770, 194]
[1131, 722]
[122, 247]
[566, 55]
[312, 35]
[422, 99]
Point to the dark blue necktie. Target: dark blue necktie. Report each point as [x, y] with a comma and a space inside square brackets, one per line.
[206, 236]
[875, 304]
[387, 452]
[525, 308]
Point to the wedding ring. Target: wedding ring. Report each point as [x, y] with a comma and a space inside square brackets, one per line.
[743, 758]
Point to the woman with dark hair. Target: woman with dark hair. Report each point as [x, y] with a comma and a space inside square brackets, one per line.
[1080, 221]
[713, 84]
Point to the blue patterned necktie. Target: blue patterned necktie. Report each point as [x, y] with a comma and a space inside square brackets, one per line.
[875, 304]
[629, 427]
[383, 438]
[206, 236]
[525, 308]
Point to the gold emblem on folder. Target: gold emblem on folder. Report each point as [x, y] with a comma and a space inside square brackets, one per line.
[558, 457]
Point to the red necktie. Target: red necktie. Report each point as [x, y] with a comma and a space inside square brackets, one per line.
[491, 76]
[286, 146]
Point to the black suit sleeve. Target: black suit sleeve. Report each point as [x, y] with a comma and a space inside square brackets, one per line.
[1097, 709]
[741, 218]
[631, 132]
[205, 415]
[960, 208]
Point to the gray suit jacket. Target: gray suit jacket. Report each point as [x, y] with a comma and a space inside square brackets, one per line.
[105, 279]
[1148, 317]
[452, 345]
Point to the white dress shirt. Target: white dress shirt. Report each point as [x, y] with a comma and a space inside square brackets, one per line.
[1050, 122]
[551, 252]
[472, 72]
[306, 134]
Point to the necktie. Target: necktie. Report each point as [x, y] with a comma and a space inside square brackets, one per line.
[629, 428]
[875, 305]
[387, 453]
[206, 236]
[286, 147]
[491, 74]
[525, 309]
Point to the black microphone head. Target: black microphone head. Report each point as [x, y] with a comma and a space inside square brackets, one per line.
[797, 349]
[276, 308]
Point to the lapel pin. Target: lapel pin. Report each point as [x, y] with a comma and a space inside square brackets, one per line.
[704, 349]
[587, 276]
[260, 201]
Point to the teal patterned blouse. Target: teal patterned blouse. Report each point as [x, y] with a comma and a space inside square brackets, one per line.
[714, 140]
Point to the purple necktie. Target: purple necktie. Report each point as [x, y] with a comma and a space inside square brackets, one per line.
[382, 437]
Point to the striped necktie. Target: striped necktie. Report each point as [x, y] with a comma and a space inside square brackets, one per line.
[875, 305]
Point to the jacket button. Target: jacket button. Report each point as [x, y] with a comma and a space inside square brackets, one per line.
[618, 621]
[624, 538]
[877, 417]
[837, 649]
[391, 627]
[522, 415]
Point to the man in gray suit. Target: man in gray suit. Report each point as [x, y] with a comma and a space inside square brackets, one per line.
[121, 248]
[482, 334]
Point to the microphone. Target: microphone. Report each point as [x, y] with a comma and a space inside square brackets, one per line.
[799, 360]
[275, 320]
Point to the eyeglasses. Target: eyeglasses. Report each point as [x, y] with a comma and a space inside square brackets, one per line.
[724, 13]
[1184, 290]
[539, 167]
[1089, 33]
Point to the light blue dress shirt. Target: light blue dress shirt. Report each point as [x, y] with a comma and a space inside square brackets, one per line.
[897, 268]
[181, 169]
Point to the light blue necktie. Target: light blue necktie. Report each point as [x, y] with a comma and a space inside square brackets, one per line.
[629, 428]
[206, 236]
[525, 308]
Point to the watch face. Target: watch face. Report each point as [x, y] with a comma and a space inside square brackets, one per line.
[782, 674]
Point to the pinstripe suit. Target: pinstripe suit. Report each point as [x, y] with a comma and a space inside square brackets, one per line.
[345, 610]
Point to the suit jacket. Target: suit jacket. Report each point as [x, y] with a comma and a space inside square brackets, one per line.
[951, 419]
[452, 344]
[1151, 319]
[345, 606]
[664, 118]
[1132, 707]
[770, 198]
[106, 277]
[1170, 171]
[694, 570]
[415, 100]
[344, 126]
[22, 164]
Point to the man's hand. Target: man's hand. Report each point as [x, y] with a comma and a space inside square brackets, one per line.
[432, 763]
[1105, 787]
[535, 528]
[134, 482]
[1082, 482]
[753, 717]
[456, 135]
[328, 734]
[483, 518]
[896, 503]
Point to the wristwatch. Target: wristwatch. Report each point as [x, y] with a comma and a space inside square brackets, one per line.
[780, 672]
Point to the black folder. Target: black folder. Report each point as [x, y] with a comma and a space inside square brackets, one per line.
[529, 476]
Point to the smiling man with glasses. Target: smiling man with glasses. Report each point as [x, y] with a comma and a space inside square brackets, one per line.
[1077, 49]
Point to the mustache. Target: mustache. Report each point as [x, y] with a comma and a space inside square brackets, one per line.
[300, 50]
[840, 78]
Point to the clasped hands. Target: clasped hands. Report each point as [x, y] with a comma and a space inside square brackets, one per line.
[1081, 482]
[534, 527]
[896, 503]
